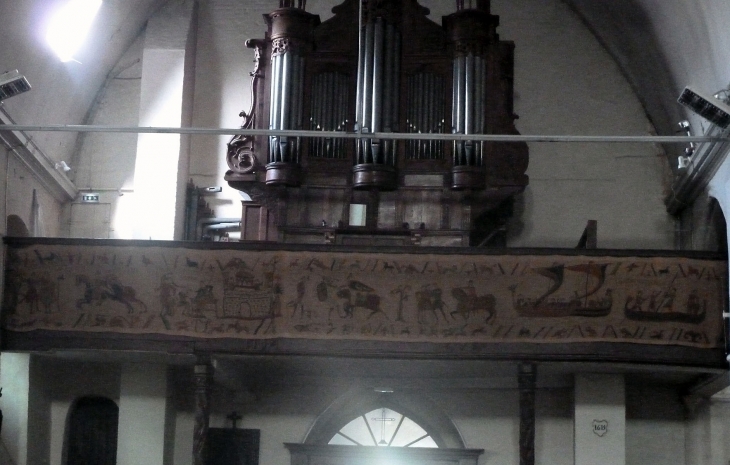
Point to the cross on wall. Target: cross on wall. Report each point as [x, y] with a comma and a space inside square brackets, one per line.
[234, 417]
[382, 419]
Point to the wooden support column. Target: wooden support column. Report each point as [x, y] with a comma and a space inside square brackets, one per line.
[526, 383]
[203, 387]
[589, 239]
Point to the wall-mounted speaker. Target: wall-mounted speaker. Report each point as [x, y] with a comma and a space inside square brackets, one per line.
[706, 106]
[12, 83]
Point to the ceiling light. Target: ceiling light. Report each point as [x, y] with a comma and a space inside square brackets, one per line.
[12, 83]
[69, 27]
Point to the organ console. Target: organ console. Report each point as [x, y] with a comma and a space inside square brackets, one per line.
[380, 66]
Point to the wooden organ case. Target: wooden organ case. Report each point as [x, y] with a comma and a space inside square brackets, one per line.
[398, 73]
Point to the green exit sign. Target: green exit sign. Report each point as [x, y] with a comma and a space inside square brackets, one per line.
[90, 198]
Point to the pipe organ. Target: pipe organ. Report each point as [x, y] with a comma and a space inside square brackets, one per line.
[381, 66]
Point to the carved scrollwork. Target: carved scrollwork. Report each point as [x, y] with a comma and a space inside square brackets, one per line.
[241, 156]
[281, 45]
[470, 47]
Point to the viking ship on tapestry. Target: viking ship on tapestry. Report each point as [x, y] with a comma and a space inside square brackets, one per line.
[379, 67]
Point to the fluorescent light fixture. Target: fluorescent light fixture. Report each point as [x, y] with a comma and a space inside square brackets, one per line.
[70, 25]
[706, 106]
[12, 84]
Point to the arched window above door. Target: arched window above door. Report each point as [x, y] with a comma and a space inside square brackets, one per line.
[401, 427]
[411, 419]
[383, 427]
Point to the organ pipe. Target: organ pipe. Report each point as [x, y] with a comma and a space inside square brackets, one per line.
[377, 100]
[312, 74]
[471, 32]
[291, 41]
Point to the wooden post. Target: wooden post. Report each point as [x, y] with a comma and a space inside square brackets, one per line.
[526, 383]
[589, 239]
[203, 385]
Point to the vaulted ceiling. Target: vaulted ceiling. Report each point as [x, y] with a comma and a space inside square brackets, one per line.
[661, 46]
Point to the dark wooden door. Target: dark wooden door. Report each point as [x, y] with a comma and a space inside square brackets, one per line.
[92, 432]
[227, 446]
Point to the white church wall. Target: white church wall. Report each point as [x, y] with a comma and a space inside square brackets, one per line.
[68, 381]
[698, 435]
[161, 159]
[39, 413]
[15, 380]
[142, 414]
[657, 432]
[184, 430]
[104, 162]
[36, 61]
[664, 47]
[708, 431]
[282, 413]
[486, 419]
[19, 185]
[566, 83]
[62, 93]
[275, 431]
[720, 429]
[655, 425]
[600, 398]
[697, 47]
[222, 89]
[554, 432]
[718, 187]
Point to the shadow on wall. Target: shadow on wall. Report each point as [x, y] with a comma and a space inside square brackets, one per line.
[16, 227]
[626, 33]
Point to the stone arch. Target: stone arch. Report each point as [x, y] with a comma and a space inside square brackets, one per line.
[410, 403]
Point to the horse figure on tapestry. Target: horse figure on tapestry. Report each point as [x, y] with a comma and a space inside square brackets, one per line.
[359, 295]
[428, 300]
[98, 291]
[469, 303]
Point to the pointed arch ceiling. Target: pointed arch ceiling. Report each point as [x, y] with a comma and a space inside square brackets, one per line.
[661, 45]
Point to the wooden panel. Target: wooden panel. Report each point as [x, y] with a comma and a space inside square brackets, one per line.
[353, 455]
[228, 446]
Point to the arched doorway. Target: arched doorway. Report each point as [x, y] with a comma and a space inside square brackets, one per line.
[91, 432]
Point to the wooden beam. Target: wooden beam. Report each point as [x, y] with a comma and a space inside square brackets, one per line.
[589, 239]
[526, 383]
[203, 386]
